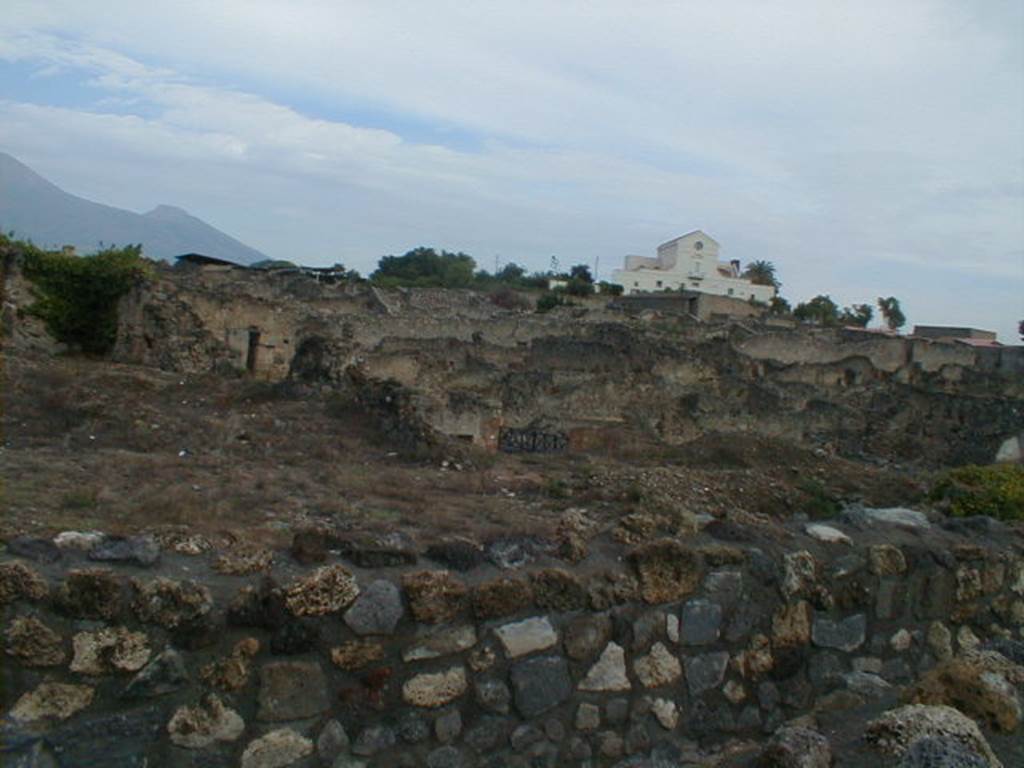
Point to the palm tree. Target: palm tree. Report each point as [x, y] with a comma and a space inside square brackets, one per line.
[761, 273]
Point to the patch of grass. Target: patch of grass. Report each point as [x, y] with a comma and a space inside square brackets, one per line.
[996, 491]
[819, 503]
[79, 499]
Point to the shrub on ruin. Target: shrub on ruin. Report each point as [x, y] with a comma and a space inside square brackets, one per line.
[77, 296]
[552, 299]
[996, 491]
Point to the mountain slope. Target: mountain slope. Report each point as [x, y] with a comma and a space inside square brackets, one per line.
[41, 211]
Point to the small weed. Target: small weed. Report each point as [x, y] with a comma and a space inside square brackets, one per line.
[819, 503]
[996, 491]
[79, 499]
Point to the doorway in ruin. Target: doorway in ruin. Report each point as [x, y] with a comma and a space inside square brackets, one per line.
[252, 353]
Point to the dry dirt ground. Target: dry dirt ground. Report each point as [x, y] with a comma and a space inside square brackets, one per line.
[91, 444]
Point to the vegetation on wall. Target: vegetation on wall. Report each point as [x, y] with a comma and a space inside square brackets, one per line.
[820, 310]
[76, 296]
[892, 314]
[996, 491]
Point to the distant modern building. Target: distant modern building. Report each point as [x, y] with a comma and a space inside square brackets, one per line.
[972, 336]
[689, 262]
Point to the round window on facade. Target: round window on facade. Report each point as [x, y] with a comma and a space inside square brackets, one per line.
[699, 245]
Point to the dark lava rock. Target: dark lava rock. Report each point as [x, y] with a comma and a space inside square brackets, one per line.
[379, 551]
[445, 757]
[165, 673]
[134, 550]
[295, 637]
[39, 550]
[413, 729]
[262, 607]
[540, 683]
[1011, 649]
[456, 554]
[701, 621]
[291, 690]
[120, 740]
[941, 752]
[727, 530]
[372, 740]
[309, 546]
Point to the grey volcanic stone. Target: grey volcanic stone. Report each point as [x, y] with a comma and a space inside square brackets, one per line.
[525, 736]
[377, 610]
[137, 550]
[486, 734]
[616, 711]
[448, 726]
[746, 617]
[493, 695]
[291, 690]
[586, 635]
[40, 550]
[331, 742]
[445, 757]
[768, 695]
[118, 741]
[845, 635]
[866, 684]
[724, 587]
[163, 674]
[1011, 649]
[941, 752]
[372, 740]
[540, 683]
[705, 671]
[866, 517]
[701, 621]
[824, 669]
[413, 729]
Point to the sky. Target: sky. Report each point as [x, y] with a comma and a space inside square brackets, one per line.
[866, 148]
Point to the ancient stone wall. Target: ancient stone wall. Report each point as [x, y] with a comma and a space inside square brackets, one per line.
[349, 651]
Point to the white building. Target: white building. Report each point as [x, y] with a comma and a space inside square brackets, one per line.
[689, 263]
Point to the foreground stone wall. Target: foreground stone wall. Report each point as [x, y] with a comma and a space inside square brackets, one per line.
[166, 650]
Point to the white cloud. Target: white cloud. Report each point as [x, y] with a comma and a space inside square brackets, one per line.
[858, 145]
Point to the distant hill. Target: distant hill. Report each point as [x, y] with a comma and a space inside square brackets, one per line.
[44, 213]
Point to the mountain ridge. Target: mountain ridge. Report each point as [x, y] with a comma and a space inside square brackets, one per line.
[39, 210]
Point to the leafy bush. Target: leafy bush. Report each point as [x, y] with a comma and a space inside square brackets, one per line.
[996, 490]
[425, 268]
[77, 296]
[551, 300]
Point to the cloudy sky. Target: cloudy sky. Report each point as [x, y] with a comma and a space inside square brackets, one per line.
[867, 148]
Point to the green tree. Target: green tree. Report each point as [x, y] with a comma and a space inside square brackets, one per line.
[511, 273]
[892, 314]
[425, 267]
[779, 306]
[762, 273]
[77, 296]
[857, 314]
[820, 310]
[581, 272]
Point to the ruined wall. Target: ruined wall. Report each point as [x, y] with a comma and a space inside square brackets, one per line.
[477, 368]
[163, 651]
